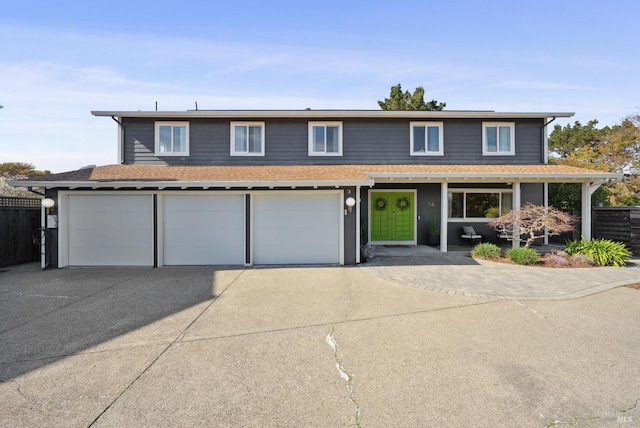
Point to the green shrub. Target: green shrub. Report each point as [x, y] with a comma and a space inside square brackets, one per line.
[603, 252]
[523, 256]
[574, 247]
[486, 250]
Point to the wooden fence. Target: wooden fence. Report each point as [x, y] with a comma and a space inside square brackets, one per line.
[620, 224]
[19, 220]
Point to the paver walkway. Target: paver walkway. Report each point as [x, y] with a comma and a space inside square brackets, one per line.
[465, 276]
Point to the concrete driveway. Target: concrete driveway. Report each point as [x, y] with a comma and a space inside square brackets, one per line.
[306, 347]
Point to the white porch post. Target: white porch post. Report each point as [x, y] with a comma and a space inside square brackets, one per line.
[545, 191]
[586, 211]
[516, 207]
[444, 215]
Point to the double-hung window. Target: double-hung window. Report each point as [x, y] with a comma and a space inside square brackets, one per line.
[479, 204]
[172, 139]
[498, 138]
[247, 138]
[325, 138]
[426, 139]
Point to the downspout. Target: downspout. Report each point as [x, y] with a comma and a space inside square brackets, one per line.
[544, 146]
[43, 238]
[29, 188]
[120, 139]
[357, 224]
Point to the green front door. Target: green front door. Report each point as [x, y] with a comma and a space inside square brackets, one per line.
[391, 216]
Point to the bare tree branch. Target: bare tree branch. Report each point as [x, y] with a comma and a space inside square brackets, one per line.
[532, 220]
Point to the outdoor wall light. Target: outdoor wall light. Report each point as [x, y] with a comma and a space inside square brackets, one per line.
[350, 202]
[48, 203]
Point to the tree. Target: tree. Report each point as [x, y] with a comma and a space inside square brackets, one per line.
[568, 196]
[532, 220]
[20, 169]
[15, 171]
[609, 149]
[399, 100]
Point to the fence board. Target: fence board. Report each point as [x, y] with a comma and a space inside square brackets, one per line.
[618, 224]
[19, 218]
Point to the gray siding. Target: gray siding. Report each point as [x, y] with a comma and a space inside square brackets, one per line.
[365, 141]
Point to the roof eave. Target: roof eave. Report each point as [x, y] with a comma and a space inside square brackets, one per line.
[190, 184]
[516, 177]
[338, 114]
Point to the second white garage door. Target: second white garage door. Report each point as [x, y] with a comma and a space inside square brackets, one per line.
[203, 229]
[297, 228]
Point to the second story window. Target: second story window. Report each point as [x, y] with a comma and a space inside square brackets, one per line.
[172, 139]
[498, 138]
[325, 138]
[247, 138]
[426, 139]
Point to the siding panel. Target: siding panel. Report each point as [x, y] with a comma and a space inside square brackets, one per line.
[365, 141]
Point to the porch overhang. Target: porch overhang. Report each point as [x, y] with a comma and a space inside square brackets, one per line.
[593, 178]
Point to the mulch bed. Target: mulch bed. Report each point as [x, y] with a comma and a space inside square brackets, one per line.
[542, 262]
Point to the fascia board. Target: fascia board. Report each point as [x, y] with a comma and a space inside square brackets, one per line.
[510, 176]
[165, 184]
[337, 114]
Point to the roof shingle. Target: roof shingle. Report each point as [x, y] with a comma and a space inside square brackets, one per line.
[307, 173]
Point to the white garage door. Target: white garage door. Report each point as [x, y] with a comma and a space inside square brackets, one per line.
[296, 228]
[203, 230]
[110, 230]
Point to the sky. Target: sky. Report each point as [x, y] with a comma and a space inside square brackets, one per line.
[60, 60]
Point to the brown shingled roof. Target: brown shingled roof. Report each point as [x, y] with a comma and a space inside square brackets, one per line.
[309, 173]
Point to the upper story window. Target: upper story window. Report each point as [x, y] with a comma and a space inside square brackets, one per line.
[498, 138]
[426, 139]
[172, 139]
[247, 138]
[325, 138]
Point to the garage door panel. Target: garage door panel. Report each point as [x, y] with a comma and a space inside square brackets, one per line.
[111, 238]
[204, 229]
[194, 255]
[116, 220]
[110, 230]
[296, 228]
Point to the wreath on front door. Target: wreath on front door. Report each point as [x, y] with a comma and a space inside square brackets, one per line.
[380, 204]
[403, 203]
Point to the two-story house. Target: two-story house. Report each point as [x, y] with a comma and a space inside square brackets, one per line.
[297, 187]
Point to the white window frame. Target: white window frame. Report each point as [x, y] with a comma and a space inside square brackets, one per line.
[157, 138]
[440, 151]
[324, 153]
[232, 138]
[464, 192]
[512, 135]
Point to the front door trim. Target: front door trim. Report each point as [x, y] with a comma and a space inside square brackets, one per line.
[372, 193]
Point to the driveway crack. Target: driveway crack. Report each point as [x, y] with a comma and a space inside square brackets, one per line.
[619, 416]
[331, 341]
